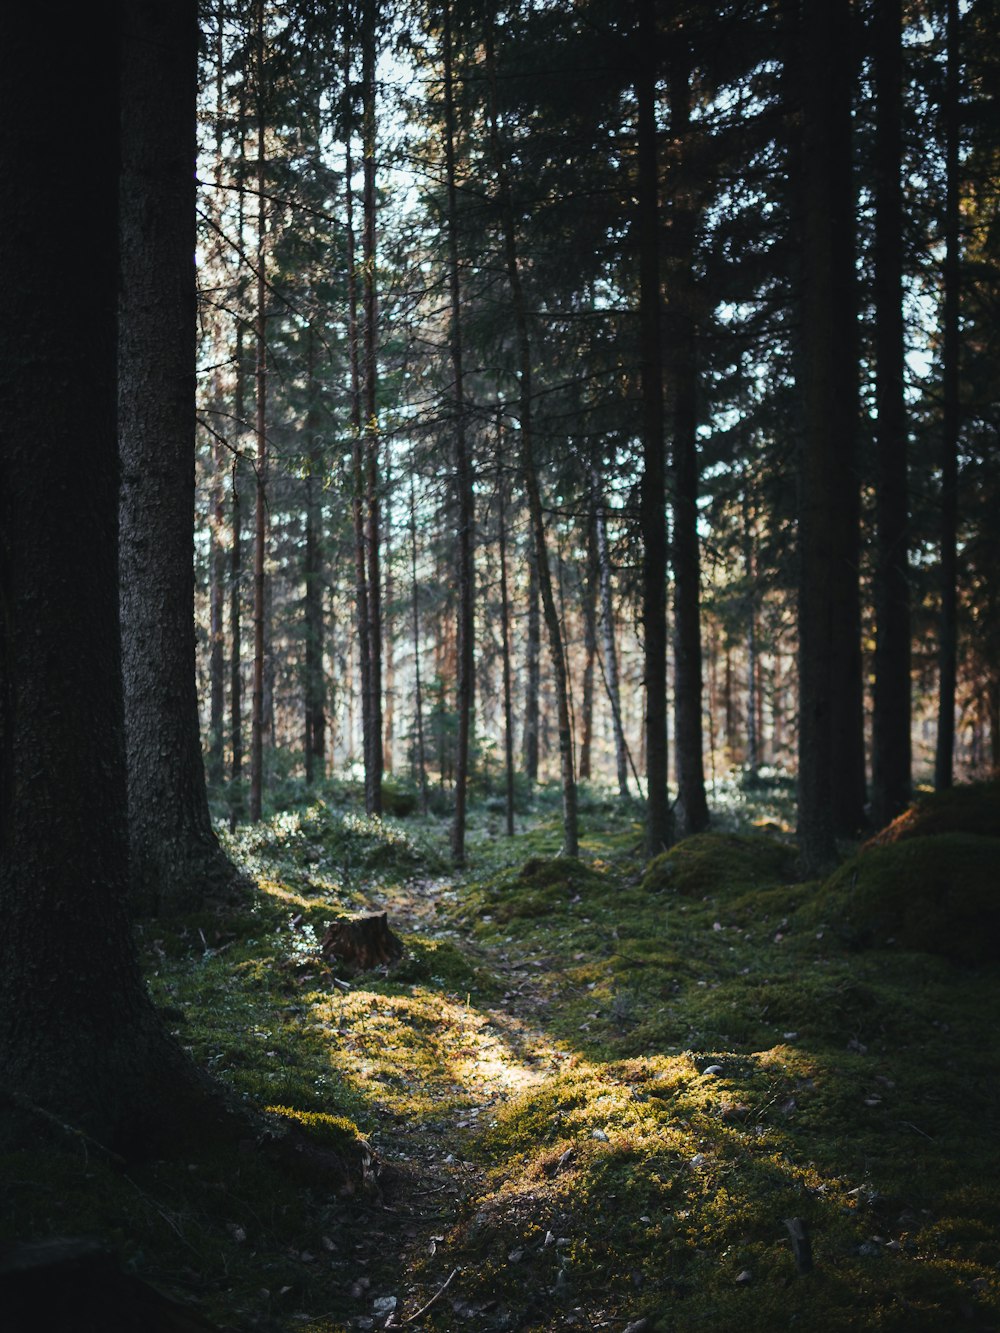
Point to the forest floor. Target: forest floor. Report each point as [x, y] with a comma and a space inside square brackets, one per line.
[599, 1094]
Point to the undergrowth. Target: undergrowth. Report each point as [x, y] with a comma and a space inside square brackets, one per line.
[599, 1089]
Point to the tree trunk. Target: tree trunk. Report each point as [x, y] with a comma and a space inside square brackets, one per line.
[418, 705]
[79, 1038]
[176, 860]
[373, 779]
[891, 705]
[528, 471]
[608, 630]
[463, 470]
[829, 648]
[508, 726]
[593, 578]
[682, 359]
[257, 715]
[315, 689]
[652, 518]
[532, 670]
[951, 415]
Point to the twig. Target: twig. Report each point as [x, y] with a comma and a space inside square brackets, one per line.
[910, 1125]
[440, 1292]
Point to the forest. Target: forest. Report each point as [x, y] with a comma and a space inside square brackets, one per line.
[500, 665]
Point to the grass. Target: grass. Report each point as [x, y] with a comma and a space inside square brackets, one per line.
[598, 1089]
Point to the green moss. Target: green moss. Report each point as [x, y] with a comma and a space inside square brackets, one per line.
[331, 1131]
[542, 885]
[720, 864]
[938, 894]
[968, 808]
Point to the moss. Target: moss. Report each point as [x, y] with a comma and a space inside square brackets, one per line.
[720, 863]
[938, 894]
[541, 886]
[331, 1131]
[969, 808]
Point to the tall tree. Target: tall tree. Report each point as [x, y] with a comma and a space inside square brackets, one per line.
[79, 1037]
[652, 501]
[891, 705]
[950, 410]
[176, 859]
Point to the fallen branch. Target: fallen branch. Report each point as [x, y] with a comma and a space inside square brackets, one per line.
[440, 1292]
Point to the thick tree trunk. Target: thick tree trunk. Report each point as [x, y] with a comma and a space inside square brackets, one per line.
[176, 859]
[463, 470]
[78, 1036]
[951, 416]
[682, 359]
[652, 500]
[891, 711]
[829, 643]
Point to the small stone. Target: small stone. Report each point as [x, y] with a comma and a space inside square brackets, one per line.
[744, 1277]
[383, 1306]
[699, 1159]
[600, 1135]
[515, 1256]
[712, 1069]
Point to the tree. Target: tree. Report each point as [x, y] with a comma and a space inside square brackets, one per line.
[176, 859]
[79, 1037]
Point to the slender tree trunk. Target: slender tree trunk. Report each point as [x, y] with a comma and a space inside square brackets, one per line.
[373, 780]
[532, 666]
[891, 708]
[315, 690]
[752, 762]
[176, 860]
[217, 558]
[418, 688]
[951, 414]
[684, 377]
[238, 474]
[593, 579]
[508, 725]
[608, 630]
[358, 480]
[530, 476]
[652, 518]
[463, 470]
[257, 718]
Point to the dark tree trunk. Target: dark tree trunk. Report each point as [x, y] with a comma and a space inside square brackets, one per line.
[315, 687]
[258, 711]
[608, 629]
[418, 702]
[532, 673]
[358, 481]
[652, 501]
[373, 778]
[590, 591]
[891, 710]
[950, 423]
[529, 473]
[508, 725]
[176, 859]
[217, 656]
[463, 470]
[682, 359]
[830, 796]
[78, 1036]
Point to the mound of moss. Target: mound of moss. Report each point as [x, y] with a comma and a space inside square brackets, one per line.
[970, 808]
[938, 894]
[542, 885]
[714, 863]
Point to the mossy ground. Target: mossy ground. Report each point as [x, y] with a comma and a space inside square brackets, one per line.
[597, 1090]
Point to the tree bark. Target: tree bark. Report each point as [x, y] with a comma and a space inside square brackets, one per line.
[652, 500]
[418, 703]
[593, 578]
[79, 1037]
[463, 470]
[532, 672]
[528, 470]
[176, 860]
[315, 688]
[608, 630]
[891, 705]
[951, 414]
[829, 642]
[508, 725]
[682, 358]
[257, 715]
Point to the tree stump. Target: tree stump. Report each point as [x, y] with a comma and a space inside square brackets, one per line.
[359, 944]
